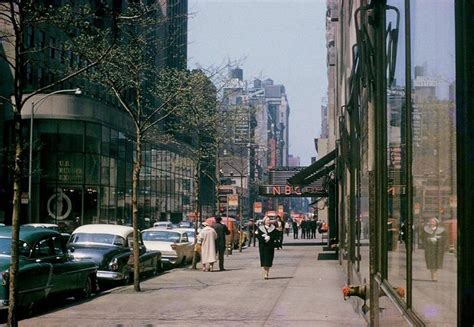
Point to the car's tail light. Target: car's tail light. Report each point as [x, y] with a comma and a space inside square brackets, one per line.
[113, 265]
[173, 246]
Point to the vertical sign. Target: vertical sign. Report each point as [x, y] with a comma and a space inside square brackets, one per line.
[257, 207]
[233, 200]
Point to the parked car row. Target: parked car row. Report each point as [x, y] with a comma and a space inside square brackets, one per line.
[93, 256]
[45, 268]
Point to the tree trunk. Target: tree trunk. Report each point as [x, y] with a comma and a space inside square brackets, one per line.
[136, 178]
[197, 186]
[17, 173]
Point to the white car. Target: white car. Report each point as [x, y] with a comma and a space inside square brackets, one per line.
[174, 245]
[163, 224]
[191, 233]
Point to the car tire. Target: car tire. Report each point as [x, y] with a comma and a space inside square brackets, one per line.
[159, 268]
[127, 279]
[86, 290]
[183, 262]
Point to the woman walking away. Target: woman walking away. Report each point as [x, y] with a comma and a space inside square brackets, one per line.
[207, 237]
[267, 236]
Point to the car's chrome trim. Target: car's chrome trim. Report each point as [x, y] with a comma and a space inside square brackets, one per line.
[112, 275]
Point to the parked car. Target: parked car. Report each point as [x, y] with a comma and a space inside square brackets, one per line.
[49, 226]
[110, 247]
[185, 224]
[191, 233]
[163, 224]
[45, 268]
[174, 245]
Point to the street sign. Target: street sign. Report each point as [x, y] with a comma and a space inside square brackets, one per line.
[233, 200]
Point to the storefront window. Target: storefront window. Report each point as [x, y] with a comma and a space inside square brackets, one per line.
[434, 161]
[70, 136]
[105, 149]
[48, 131]
[104, 204]
[105, 170]
[93, 138]
[114, 143]
[91, 209]
[396, 151]
[92, 169]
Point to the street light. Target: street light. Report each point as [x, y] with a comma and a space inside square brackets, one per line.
[34, 107]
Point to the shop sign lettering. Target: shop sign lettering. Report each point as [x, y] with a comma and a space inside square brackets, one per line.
[291, 191]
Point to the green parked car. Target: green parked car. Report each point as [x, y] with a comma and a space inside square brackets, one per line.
[46, 268]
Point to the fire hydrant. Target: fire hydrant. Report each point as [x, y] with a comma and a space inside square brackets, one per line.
[363, 292]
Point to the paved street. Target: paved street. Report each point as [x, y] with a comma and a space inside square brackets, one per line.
[301, 291]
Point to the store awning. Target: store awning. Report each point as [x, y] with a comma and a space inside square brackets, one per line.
[315, 171]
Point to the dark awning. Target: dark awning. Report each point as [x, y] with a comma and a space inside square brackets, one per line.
[315, 171]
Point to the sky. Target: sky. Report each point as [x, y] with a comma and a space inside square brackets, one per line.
[277, 39]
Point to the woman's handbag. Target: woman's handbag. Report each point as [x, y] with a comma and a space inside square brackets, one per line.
[197, 248]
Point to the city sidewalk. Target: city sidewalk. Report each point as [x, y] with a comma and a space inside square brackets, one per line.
[304, 289]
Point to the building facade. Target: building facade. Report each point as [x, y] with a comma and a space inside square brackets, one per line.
[402, 210]
[83, 145]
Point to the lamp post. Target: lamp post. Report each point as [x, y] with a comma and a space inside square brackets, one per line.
[34, 107]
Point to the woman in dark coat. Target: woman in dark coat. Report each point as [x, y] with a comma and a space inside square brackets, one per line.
[267, 236]
[435, 242]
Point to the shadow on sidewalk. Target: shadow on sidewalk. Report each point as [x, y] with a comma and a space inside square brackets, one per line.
[327, 256]
[309, 243]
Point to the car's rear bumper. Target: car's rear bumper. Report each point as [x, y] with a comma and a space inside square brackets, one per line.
[169, 259]
[110, 275]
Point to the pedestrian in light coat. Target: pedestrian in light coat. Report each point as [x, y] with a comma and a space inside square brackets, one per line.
[207, 238]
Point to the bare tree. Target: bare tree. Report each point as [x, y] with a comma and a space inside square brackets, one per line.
[22, 51]
[151, 95]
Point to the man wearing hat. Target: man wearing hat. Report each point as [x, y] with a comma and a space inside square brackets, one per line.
[221, 231]
[252, 227]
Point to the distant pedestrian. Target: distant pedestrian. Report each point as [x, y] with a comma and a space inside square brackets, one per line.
[295, 229]
[267, 236]
[221, 231]
[287, 228]
[207, 238]
[252, 227]
[313, 227]
[303, 228]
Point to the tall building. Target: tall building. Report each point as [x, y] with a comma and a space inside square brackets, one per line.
[261, 137]
[83, 145]
[294, 161]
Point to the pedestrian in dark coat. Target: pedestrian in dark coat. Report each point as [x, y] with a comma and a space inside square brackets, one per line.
[267, 236]
[221, 231]
[435, 243]
[252, 227]
[295, 229]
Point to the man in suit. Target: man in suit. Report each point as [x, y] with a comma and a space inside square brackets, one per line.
[221, 231]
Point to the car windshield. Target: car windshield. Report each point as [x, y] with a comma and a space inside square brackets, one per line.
[160, 235]
[6, 245]
[108, 239]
